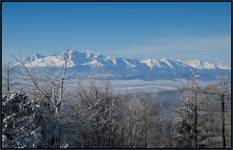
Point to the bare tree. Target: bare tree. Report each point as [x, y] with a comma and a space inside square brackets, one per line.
[188, 117]
[100, 116]
[7, 79]
[222, 105]
[50, 90]
[142, 119]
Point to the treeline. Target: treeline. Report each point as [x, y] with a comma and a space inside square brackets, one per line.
[49, 115]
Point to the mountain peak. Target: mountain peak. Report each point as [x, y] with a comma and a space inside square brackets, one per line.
[34, 57]
[200, 64]
[87, 52]
[94, 63]
[85, 61]
[151, 62]
[166, 61]
[37, 55]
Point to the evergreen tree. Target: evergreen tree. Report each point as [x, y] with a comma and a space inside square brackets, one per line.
[18, 127]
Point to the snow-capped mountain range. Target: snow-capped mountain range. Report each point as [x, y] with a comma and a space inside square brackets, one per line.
[87, 62]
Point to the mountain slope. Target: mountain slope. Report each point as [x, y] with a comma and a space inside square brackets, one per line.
[87, 62]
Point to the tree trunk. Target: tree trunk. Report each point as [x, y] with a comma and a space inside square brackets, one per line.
[223, 122]
[130, 129]
[195, 117]
[145, 140]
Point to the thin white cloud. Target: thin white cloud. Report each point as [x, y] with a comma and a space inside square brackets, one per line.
[182, 44]
[212, 47]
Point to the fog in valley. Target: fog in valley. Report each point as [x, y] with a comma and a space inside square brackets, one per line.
[53, 111]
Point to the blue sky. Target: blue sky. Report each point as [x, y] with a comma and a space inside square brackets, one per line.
[176, 30]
